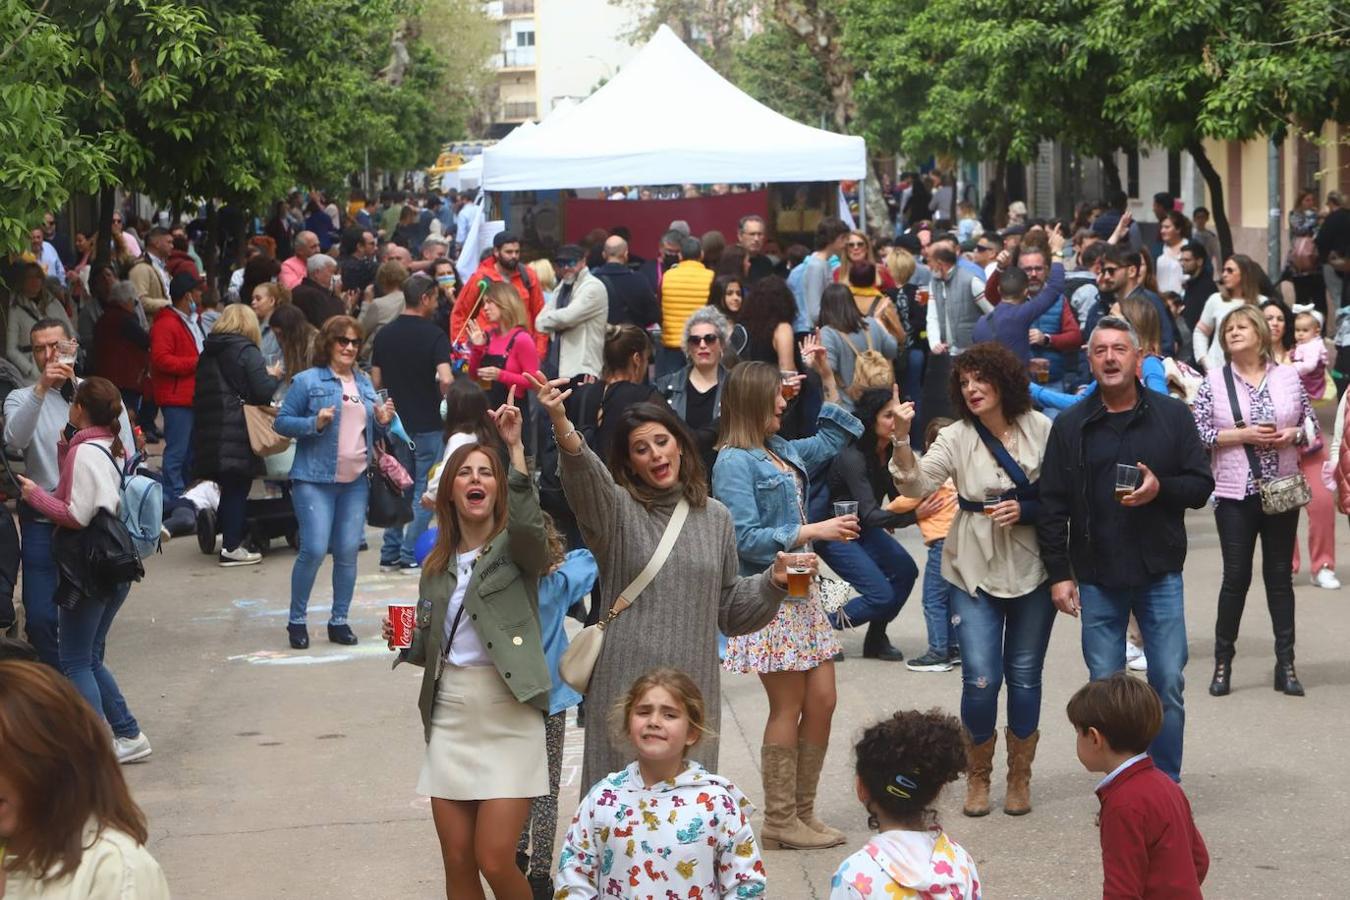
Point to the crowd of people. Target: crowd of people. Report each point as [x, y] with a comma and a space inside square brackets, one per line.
[715, 447]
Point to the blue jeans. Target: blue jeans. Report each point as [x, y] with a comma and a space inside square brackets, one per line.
[878, 568]
[84, 636]
[331, 516]
[177, 464]
[39, 585]
[1002, 639]
[400, 541]
[937, 603]
[1160, 608]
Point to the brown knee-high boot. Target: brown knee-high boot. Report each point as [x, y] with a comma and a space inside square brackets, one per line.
[810, 760]
[1021, 753]
[782, 828]
[979, 766]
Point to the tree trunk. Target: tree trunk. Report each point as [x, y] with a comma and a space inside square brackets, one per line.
[107, 201]
[1000, 188]
[878, 216]
[1110, 172]
[1214, 182]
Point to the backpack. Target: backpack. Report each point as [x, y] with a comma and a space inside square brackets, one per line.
[142, 507]
[870, 368]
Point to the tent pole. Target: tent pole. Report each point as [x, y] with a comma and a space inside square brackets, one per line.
[862, 205]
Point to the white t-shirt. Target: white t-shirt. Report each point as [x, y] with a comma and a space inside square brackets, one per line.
[465, 648]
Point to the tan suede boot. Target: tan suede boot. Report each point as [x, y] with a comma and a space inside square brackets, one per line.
[782, 829]
[979, 766]
[810, 760]
[1021, 753]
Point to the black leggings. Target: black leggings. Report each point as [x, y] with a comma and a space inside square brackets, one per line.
[1240, 523]
[232, 513]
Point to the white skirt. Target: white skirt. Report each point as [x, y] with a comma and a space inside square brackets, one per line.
[485, 744]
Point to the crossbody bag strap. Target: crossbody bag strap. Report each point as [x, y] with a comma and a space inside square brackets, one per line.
[1002, 456]
[628, 596]
[1238, 422]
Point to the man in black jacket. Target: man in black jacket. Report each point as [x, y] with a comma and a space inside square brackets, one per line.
[1109, 557]
[631, 300]
[1199, 285]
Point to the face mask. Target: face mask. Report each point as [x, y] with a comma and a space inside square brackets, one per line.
[445, 281]
[192, 307]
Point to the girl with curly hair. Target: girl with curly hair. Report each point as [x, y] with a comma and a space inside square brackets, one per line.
[902, 765]
[1000, 600]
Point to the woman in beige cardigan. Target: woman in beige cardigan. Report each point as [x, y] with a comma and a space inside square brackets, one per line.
[1000, 601]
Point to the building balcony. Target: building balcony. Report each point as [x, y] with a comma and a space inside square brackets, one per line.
[509, 9]
[518, 111]
[515, 58]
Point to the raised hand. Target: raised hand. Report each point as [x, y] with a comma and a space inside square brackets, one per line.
[508, 420]
[550, 393]
[904, 420]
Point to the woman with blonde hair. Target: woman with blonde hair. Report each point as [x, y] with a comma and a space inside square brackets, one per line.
[231, 369]
[764, 481]
[1254, 441]
[266, 299]
[499, 357]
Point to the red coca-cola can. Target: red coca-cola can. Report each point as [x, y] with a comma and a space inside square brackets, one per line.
[403, 620]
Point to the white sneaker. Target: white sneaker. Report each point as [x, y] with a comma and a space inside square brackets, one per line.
[1132, 651]
[164, 535]
[239, 556]
[130, 750]
[1138, 664]
[1326, 579]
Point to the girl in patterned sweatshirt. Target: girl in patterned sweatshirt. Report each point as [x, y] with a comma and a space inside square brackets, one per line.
[664, 828]
[903, 764]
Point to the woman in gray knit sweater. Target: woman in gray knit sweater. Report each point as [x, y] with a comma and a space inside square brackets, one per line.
[622, 510]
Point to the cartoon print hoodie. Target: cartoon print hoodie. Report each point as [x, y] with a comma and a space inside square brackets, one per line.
[902, 864]
[686, 839]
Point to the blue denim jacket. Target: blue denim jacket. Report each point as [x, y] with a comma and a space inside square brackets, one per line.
[316, 451]
[762, 499]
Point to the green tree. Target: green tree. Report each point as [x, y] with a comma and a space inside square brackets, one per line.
[777, 69]
[713, 28]
[1233, 70]
[42, 158]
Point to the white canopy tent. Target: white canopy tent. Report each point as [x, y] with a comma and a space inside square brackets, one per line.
[627, 133]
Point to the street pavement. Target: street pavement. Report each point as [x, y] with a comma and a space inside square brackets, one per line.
[279, 773]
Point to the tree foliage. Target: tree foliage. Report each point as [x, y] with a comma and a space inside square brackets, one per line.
[231, 99]
[42, 157]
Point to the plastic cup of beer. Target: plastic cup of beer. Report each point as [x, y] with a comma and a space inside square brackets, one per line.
[846, 508]
[1040, 370]
[403, 621]
[381, 396]
[791, 386]
[992, 498]
[799, 575]
[1127, 480]
[66, 351]
[921, 296]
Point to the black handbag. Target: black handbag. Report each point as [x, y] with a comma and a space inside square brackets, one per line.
[387, 506]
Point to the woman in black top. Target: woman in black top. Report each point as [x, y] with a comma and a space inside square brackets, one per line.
[767, 315]
[876, 566]
[695, 392]
[727, 295]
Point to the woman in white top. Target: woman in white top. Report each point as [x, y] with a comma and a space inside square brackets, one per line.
[1174, 230]
[69, 829]
[466, 422]
[90, 457]
[1239, 285]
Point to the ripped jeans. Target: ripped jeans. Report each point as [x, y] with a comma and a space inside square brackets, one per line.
[1002, 640]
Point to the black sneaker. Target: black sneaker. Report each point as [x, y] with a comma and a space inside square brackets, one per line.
[394, 566]
[930, 662]
[954, 656]
[410, 568]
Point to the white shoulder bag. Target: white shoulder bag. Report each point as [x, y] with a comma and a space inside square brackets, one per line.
[578, 661]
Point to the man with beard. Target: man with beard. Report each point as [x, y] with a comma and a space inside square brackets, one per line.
[1199, 285]
[1111, 551]
[1122, 276]
[503, 265]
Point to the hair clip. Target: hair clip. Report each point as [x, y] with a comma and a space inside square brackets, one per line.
[902, 787]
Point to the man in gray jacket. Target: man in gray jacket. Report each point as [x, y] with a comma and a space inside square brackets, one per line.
[575, 318]
[955, 304]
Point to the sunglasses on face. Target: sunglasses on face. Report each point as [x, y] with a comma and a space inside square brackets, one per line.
[983, 249]
[853, 245]
[1109, 271]
[698, 340]
[348, 342]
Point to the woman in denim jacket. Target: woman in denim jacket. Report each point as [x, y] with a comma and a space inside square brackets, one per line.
[764, 482]
[332, 413]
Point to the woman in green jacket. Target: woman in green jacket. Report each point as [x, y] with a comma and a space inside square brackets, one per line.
[486, 685]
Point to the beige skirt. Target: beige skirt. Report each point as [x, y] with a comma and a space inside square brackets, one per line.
[485, 744]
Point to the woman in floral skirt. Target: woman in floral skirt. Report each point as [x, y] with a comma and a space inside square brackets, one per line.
[762, 479]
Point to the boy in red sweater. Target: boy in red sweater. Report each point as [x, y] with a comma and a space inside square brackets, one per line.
[1150, 845]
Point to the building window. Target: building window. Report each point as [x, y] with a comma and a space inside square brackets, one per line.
[524, 38]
